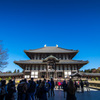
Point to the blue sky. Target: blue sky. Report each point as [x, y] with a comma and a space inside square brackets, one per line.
[30, 24]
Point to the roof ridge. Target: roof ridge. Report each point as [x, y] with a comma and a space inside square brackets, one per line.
[50, 46]
[34, 49]
[67, 49]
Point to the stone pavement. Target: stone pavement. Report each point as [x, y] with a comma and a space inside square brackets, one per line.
[93, 94]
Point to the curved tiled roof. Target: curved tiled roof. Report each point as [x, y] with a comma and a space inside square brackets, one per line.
[51, 50]
[92, 74]
[41, 62]
[11, 74]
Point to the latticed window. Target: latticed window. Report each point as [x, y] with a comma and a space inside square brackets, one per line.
[69, 67]
[73, 67]
[59, 67]
[27, 67]
[42, 67]
[34, 67]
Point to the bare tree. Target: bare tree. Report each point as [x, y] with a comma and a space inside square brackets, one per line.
[3, 57]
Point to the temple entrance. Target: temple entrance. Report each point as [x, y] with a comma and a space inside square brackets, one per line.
[51, 74]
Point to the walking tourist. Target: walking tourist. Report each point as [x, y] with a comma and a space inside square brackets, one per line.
[52, 87]
[22, 89]
[59, 84]
[11, 95]
[31, 90]
[71, 91]
[82, 86]
[64, 87]
[3, 90]
[49, 87]
[87, 85]
[42, 91]
[56, 85]
[76, 85]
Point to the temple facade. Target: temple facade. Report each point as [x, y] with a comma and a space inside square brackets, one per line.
[50, 62]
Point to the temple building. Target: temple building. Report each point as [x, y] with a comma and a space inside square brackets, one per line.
[50, 62]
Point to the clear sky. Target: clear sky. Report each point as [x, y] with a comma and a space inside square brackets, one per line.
[30, 24]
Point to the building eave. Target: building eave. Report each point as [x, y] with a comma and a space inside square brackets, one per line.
[60, 62]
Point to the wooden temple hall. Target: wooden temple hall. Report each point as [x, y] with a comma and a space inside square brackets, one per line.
[50, 62]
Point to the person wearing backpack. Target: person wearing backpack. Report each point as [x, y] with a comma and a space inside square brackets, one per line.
[49, 87]
[64, 87]
[42, 91]
[22, 88]
[3, 90]
[52, 87]
[31, 90]
[82, 85]
[11, 92]
[71, 90]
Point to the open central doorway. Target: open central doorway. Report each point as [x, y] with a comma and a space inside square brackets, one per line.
[51, 74]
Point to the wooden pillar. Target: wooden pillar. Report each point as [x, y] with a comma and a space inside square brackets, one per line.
[55, 72]
[47, 71]
[63, 70]
[77, 68]
[24, 70]
[39, 71]
[71, 69]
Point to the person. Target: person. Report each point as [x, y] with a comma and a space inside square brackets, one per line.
[52, 87]
[59, 84]
[42, 91]
[45, 81]
[3, 90]
[22, 88]
[37, 86]
[71, 91]
[64, 87]
[31, 90]
[49, 87]
[56, 84]
[11, 91]
[82, 86]
[87, 85]
[76, 85]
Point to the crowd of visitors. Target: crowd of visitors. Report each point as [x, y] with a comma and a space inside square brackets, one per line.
[39, 90]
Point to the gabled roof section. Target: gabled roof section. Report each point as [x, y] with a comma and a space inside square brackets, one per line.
[50, 58]
[76, 75]
[51, 50]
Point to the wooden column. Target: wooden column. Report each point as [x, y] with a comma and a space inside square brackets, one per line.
[71, 69]
[38, 71]
[63, 70]
[55, 72]
[24, 70]
[47, 71]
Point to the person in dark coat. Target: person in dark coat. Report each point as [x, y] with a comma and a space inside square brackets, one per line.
[11, 91]
[64, 87]
[71, 91]
[42, 92]
[82, 86]
[3, 90]
[75, 85]
[52, 87]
